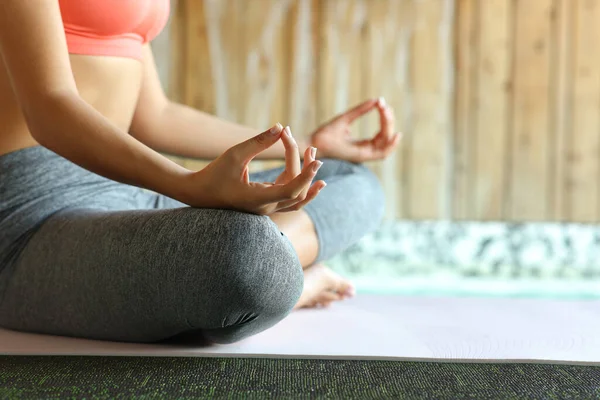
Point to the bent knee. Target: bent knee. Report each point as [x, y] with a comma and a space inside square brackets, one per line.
[375, 195]
[267, 273]
[250, 280]
[364, 188]
[256, 267]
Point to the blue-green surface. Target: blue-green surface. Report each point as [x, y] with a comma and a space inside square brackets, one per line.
[441, 258]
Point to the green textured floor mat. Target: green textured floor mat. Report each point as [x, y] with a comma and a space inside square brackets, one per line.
[235, 378]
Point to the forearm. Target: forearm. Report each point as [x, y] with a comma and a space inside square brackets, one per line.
[183, 131]
[73, 129]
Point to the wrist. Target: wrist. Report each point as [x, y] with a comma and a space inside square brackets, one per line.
[178, 185]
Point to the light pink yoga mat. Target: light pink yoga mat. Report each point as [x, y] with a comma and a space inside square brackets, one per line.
[386, 327]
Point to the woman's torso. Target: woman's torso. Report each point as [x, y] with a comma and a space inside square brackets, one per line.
[111, 84]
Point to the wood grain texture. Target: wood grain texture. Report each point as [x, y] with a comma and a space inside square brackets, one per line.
[561, 118]
[529, 186]
[465, 55]
[264, 92]
[494, 60]
[584, 147]
[445, 32]
[206, 82]
[498, 99]
[427, 143]
[341, 62]
[174, 54]
[301, 51]
[375, 57]
[199, 84]
[389, 26]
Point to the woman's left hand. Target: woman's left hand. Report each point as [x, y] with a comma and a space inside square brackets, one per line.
[333, 138]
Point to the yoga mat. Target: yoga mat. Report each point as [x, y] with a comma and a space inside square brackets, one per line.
[105, 377]
[385, 328]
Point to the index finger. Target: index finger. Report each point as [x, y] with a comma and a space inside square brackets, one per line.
[359, 110]
[292, 154]
[292, 189]
[387, 122]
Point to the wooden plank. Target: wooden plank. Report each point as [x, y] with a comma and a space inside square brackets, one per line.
[466, 35]
[376, 69]
[171, 52]
[262, 99]
[446, 92]
[176, 57]
[583, 157]
[275, 45]
[199, 90]
[195, 68]
[177, 38]
[328, 47]
[354, 44]
[259, 82]
[396, 169]
[201, 87]
[491, 108]
[562, 106]
[340, 65]
[388, 29]
[428, 137]
[226, 58]
[301, 82]
[529, 179]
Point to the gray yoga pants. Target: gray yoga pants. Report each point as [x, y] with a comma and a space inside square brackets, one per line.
[84, 256]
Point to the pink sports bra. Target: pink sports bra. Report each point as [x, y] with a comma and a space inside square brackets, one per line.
[112, 27]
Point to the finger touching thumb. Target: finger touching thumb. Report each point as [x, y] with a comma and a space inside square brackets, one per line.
[248, 149]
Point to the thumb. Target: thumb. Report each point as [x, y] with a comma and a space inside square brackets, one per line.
[250, 148]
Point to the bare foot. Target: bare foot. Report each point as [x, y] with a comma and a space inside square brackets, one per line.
[322, 286]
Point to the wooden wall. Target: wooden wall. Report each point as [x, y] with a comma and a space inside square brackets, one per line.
[499, 99]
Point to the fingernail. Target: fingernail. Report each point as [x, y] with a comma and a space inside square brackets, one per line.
[275, 129]
[313, 152]
[382, 101]
[317, 166]
[288, 131]
[323, 187]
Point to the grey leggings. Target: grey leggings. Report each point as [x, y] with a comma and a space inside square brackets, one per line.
[84, 256]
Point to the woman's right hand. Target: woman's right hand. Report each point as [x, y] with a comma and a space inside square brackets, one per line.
[224, 183]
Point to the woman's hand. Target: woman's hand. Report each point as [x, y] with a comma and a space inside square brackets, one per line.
[225, 183]
[333, 138]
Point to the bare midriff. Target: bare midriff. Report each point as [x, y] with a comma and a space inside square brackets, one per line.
[110, 84]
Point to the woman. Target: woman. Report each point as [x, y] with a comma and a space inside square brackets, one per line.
[86, 251]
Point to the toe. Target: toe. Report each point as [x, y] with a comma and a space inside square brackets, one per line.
[329, 297]
[326, 298]
[345, 289]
